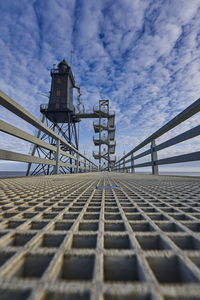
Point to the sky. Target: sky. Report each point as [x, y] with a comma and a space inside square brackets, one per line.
[143, 55]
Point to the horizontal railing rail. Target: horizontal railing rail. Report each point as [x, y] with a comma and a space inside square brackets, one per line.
[11, 105]
[121, 164]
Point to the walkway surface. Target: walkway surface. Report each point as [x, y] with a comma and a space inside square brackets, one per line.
[63, 238]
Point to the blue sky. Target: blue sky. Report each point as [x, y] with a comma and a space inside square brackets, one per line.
[142, 55]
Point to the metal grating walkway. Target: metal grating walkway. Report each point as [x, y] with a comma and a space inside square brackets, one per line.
[62, 238]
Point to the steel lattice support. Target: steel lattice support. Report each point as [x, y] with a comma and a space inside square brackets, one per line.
[105, 128]
[68, 131]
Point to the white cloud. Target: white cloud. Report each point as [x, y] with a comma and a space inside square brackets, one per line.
[143, 55]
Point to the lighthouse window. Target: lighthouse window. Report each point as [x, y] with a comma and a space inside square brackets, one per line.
[58, 93]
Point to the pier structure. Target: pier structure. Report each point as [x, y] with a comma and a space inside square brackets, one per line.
[63, 117]
[105, 139]
[59, 116]
[100, 236]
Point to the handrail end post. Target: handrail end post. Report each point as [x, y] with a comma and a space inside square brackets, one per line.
[57, 158]
[132, 163]
[154, 158]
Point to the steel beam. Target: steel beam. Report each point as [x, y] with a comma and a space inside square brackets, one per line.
[14, 156]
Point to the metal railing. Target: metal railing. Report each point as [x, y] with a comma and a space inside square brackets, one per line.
[121, 164]
[79, 161]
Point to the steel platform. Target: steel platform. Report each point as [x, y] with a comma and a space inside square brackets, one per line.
[74, 237]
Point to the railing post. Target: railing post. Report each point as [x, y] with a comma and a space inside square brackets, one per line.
[77, 163]
[57, 158]
[132, 163]
[154, 158]
[84, 165]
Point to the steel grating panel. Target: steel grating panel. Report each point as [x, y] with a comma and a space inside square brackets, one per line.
[62, 238]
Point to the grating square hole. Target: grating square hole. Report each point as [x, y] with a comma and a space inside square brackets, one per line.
[182, 297]
[161, 205]
[196, 261]
[158, 217]
[122, 268]
[193, 226]
[39, 208]
[181, 217]
[110, 205]
[126, 205]
[135, 217]
[96, 204]
[90, 226]
[29, 215]
[113, 217]
[2, 234]
[189, 210]
[84, 241]
[170, 270]
[32, 265]
[51, 240]
[142, 204]
[130, 210]
[75, 209]
[93, 209]
[6, 294]
[91, 216]
[117, 242]
[170, 227]
[66, 296]
[22, 208]
[197, 216]
[9, 215]
[4, 256]
[186, 242]
[70, 216]
[19, 239]
[132, 296]
[49, 215]
[62, 225]
[57, 209]
[142, 227]
[169, 209]
[111, 209]
[114, 226]
[149, 210]
[101, 187]
[178, 204]
[152, 242]
[38, 225]
[77, 267]
[14, 224]
[81, 204]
